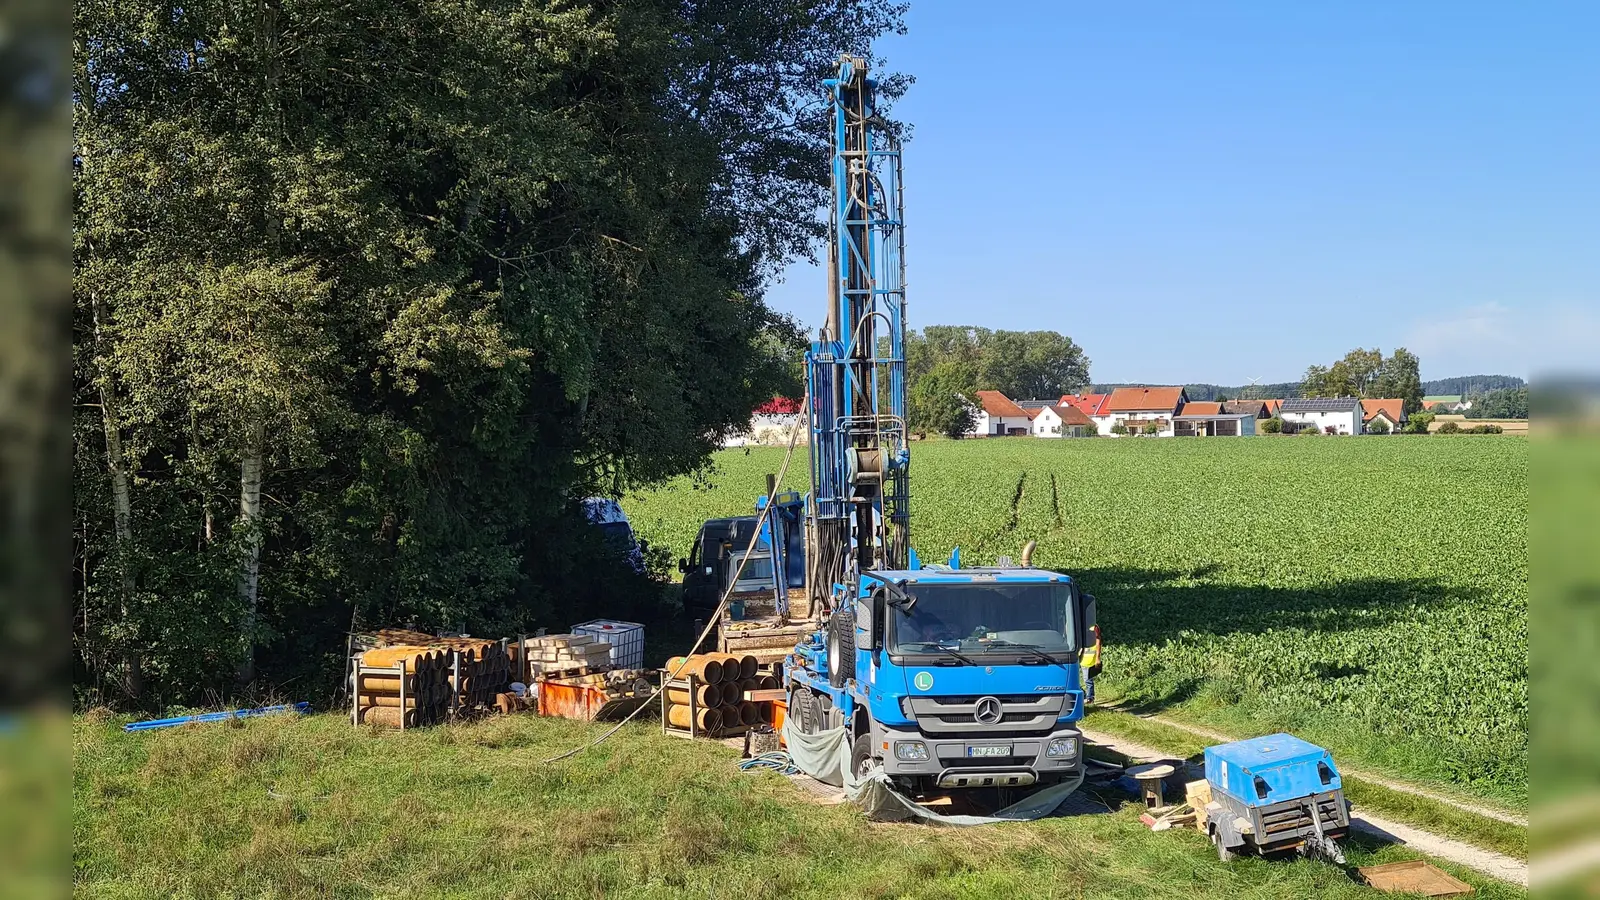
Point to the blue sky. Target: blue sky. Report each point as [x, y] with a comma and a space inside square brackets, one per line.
[1214, 192]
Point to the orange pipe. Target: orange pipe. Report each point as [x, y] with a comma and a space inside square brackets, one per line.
[705, 695]
[710, 719]
[704, 666]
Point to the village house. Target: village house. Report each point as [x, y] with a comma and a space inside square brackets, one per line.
[1260, 409]
[1204, 418]
[1137, 408]
[998, 416]
[1329, 415]
[1056, 420]
[1392, 413]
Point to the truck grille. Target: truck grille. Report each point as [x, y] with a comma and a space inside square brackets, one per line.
[956, 715]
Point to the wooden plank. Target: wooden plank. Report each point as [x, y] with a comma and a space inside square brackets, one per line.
[766, 696]
[1415, 877]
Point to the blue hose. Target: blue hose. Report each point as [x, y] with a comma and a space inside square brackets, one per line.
[778, 761]
[153, 724]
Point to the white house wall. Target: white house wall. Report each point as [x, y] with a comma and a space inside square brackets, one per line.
[1347, 422]
[984, 424]
[1134, 421]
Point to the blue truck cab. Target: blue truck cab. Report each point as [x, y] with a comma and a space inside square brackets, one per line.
[952, 678]
[1272, 794]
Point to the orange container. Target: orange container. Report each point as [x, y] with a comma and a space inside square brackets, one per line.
[559, 698]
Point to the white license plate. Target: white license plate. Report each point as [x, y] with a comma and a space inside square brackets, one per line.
[990, 750]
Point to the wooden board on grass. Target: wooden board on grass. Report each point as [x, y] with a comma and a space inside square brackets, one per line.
[1414, 877]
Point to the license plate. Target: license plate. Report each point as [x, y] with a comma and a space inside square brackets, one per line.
[990, 750]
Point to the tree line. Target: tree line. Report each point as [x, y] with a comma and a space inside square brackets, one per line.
[369, 296]
[1368, 374]
[947, 364]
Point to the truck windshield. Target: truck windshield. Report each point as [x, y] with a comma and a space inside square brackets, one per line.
[975, 618]
[617, 535]
[757, 573]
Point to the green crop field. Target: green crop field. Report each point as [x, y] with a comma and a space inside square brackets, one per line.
[1370, 594]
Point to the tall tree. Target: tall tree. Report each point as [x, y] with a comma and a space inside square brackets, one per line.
[1366, 373]
[384, 291]
[1019, 364]
[940, 401]
[1400, 376]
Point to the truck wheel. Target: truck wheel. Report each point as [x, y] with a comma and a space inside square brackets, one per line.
[807, 710]
[841, 647]
[861, 755]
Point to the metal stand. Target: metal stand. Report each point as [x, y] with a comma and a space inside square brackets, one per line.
[690, 683]
[356, 692]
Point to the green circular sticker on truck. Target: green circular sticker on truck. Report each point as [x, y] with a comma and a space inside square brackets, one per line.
[923, 681]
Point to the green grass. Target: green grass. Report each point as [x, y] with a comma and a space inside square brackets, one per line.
[1437, 817]
[312, 807]
[1367, 594]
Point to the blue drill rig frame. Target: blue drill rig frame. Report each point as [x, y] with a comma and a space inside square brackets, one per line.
[945, 677]
[856, 370]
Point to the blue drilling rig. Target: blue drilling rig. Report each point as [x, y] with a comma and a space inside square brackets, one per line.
[946, 677]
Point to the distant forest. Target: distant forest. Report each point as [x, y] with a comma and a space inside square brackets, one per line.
[1461, 384]
[1467, 385]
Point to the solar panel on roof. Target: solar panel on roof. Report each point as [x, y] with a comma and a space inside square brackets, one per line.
[1321, 404]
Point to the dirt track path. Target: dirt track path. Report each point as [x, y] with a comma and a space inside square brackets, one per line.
[1488, 812]
[1496, 865]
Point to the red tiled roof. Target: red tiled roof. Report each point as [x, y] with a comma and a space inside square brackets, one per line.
[998, 404]
[1144, 399]
[1273, 406]
[1089, 403]
[1072, 415]
[1202, 408]
[1391, 408]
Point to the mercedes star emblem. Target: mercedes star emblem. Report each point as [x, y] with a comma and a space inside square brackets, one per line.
[988, 711]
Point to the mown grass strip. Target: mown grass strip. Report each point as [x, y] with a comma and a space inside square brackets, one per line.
[311, 807]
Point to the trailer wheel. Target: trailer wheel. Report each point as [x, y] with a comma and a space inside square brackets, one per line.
[841, 647]
[1223, 853]
[861, 755]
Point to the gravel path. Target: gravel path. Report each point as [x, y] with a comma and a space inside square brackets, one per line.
[1496, 865]
[1488, 812]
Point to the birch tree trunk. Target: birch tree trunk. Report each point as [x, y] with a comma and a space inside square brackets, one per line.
[251, 463]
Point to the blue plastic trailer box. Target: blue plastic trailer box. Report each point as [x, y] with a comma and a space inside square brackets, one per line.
[1272, 794]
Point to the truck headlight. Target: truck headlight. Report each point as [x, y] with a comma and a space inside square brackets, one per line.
[1062, 747]
[911, 751]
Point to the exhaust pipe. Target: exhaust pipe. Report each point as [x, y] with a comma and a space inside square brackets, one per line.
[1027, 553]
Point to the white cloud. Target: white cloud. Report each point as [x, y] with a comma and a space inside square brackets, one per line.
[1494, 338]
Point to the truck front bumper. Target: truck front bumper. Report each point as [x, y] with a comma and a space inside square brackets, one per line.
[973, 762]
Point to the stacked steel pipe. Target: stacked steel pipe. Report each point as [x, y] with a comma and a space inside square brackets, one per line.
[426, 687]
[720, 683]
[475, 673]
[483, 668]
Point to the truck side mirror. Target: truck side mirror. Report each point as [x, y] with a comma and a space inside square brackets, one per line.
[1090, 613]
[683, 564]
[869, 618]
